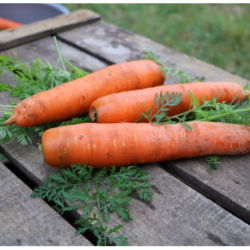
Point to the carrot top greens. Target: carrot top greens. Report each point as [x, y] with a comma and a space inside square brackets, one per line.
[209, 110]
[180, 76]
[108, 189]
[98, 193]
[31, 78]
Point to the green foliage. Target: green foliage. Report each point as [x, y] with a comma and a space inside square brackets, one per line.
[30, 79]
[221, 40]
[208, 110]
[181, 76]
[75, 72]
[35, 77]
[4, 86]
[162, 102]
[211, 110]
[74, 121]
[107, 190]
[23, 135]
[212, 162]
[98, 194]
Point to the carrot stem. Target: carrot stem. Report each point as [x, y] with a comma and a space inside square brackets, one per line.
[150, 104]
[59, 54]
[211, 117]
[99, 208]
[53, 77]
[225, 114]
[8, 113]
[40, 147]
[7, 106]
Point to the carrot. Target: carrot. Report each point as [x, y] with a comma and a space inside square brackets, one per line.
[105, 145]
[74, 98]
[128, 106]
[6, 24]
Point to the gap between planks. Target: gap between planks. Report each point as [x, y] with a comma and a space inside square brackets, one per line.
[69, 216]
[29, 221]
[206, 190]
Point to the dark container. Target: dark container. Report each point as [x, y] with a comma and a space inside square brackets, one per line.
[29, 13]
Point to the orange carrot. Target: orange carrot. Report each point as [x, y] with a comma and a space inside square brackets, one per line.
[105, 145]
[73, 98]
[6, 24]
[128, 106]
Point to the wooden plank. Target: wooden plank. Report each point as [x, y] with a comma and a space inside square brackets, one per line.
[45, 50]
[228, 186]
[178, 215]
[40, 29]
[186, 217]
[26, 221]
[115, 45]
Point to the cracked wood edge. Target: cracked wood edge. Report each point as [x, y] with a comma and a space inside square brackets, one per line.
[33, 31]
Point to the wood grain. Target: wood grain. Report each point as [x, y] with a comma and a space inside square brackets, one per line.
[26, 221]
[178, 215]
[114, 44]
[45, 50]
[40, 29]
[187, 218]
[228, 186]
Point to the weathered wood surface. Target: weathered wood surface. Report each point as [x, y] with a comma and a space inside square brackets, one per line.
[45, 50]
[187, 218]
[168, 219]
[40, 29]
[26, 221]
[228, 186]
[111, 43]
[178, 214]
[116, 45]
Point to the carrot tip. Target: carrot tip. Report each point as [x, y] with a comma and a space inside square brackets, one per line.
[11, 120]
[93, 115]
